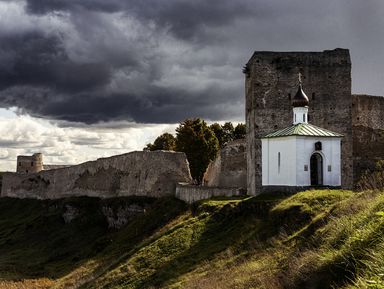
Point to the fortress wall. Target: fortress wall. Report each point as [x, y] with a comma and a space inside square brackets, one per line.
[141, 173]
[368, 132]
[191, 194]
[54, 167]
[229, 169]
[368, 111]
[270, 84]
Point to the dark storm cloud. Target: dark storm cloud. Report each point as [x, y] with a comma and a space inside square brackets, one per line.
[38, 75]
[46, 6]
[184, 18]
[33, 58]
[158, 105]
[162, 61]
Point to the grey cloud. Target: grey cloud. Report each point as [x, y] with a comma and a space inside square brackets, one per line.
[157, 105]
[188, 19]
[185, 18]
[17, 143]
[88, 142]
[46, 6]
[32, 58]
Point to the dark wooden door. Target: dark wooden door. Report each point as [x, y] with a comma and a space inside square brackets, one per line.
[316, 170]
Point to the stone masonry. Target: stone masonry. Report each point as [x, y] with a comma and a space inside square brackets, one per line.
[141, 173]
[270, 83]
[368, 132]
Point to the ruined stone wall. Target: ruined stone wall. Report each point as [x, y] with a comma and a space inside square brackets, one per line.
[142, 173]
[368, 132]
[229, 169]
[271, 82]
[211, 176]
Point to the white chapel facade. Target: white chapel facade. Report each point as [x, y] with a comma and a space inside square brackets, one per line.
[301, 155]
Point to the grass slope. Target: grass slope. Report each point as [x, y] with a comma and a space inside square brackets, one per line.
[315, 239]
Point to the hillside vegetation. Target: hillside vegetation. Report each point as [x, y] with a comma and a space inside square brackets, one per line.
[315, 239]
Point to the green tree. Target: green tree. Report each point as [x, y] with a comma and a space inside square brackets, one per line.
[224, 133]
[240, 131]
[166, 142]
[227, 132]
[199, 143]
[218, 131]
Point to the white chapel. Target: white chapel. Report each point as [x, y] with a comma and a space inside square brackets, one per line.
[301, 155]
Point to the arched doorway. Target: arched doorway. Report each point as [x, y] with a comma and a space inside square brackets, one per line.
[316, 170]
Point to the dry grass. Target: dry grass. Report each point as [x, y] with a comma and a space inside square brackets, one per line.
[42, 283]
[342, 246]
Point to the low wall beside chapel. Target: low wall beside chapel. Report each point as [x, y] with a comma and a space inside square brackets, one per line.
[192, 193]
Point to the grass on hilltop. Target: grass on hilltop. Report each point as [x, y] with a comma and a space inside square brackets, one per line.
[314, 239]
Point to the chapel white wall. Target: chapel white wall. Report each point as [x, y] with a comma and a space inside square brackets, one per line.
[271, 175]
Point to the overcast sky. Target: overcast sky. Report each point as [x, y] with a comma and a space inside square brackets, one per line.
[90, 78]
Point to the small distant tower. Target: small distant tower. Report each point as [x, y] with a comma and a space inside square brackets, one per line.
[30, 164]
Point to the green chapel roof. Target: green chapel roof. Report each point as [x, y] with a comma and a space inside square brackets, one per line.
[303, 129]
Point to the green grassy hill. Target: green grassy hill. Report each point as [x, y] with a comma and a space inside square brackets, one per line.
[315, 239]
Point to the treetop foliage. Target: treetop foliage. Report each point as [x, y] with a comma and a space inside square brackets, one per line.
[198, 141]
[166, 142]
[227, 132]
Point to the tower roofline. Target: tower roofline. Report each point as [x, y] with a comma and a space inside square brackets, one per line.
[272, 54]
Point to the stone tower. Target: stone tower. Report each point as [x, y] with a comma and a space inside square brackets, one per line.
[30, 164]
[271, 83]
